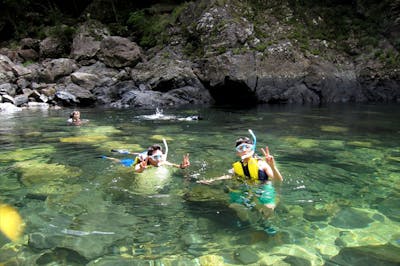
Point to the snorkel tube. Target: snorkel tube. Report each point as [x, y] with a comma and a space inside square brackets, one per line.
[166, 149]
[254, 139]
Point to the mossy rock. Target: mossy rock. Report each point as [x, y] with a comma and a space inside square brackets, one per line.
[337, 144]
[334, 129]
[160, 138]
[99, 130]
[313, 214]
[302, 143]
[152, 180]
[84, 139]
[92, 135]
[26, 154]
[42, 190]
[36, 172]
[364, 144]
[211, 260]
[394, 158]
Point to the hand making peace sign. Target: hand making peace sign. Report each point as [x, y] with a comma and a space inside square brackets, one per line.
[185, 162]
[268, 157]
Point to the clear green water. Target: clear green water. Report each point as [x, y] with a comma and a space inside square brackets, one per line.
[339, 203]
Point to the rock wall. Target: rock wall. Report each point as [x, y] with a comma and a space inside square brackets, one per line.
[228, 63]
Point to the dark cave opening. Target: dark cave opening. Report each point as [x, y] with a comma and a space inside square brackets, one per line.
[233, 92]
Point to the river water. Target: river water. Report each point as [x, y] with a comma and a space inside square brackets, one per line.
[339, 203]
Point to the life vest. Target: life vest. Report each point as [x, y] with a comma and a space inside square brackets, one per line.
[250, 171]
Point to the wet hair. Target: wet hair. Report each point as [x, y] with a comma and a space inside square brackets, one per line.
[71, 115]
[243, 140]
[153, 148]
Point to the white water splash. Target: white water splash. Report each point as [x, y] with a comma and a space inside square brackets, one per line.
[159, 115]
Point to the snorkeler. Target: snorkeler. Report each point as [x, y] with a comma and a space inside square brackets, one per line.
[256, 175]
[153, 156]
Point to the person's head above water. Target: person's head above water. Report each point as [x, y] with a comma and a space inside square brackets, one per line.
[75, 115]
[244, 147]
[153, 148]
[155, 154]
[243, 140]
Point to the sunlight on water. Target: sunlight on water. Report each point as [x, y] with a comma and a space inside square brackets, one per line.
[339, 203]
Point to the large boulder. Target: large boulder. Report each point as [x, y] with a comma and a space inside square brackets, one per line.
[231, 31]
[56, 68]
[85, 80]
[73, 94]
[9, 71]
[119, 52]
[52, 47]
[8, 108]
[86, 42]
[168, 72]
[165, 71]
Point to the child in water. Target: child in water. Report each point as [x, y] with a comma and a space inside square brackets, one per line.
[256, 174]
[154, 156]
[75, 119]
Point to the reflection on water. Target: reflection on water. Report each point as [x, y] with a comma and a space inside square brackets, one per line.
[338, 204]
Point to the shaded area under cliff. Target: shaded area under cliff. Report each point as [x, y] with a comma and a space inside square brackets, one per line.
[232, 92]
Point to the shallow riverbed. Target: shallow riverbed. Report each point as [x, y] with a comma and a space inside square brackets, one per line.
[339, 203]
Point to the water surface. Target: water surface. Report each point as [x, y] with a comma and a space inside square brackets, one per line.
[339, 203]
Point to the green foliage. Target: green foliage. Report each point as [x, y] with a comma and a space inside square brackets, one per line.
[315, 51]
[337, 22]
[63, 32]
[390, 58]
[221, 49]
[261, 47]
[27, 63]
[193, 50]
[151, 25]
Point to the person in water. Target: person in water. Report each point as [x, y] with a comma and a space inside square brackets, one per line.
[257, 176]
[75, 118]
[154, 156]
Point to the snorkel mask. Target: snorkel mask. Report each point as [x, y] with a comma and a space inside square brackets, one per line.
[251, 153]
[161, 158]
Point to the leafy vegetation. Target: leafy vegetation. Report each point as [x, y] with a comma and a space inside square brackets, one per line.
[151, 25]
[352, 27]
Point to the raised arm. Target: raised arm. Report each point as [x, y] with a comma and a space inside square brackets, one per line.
[185, 162]
[139, 168]
[209, 181]
[271, 162]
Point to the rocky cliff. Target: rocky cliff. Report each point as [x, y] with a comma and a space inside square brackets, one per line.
[211, 51]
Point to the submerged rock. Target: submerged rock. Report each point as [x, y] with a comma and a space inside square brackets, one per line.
[246, 255]
[368, 255]
[351, 218]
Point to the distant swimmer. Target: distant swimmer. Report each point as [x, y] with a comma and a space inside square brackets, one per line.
[190, 118]
[75, 119]
[159, 115]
